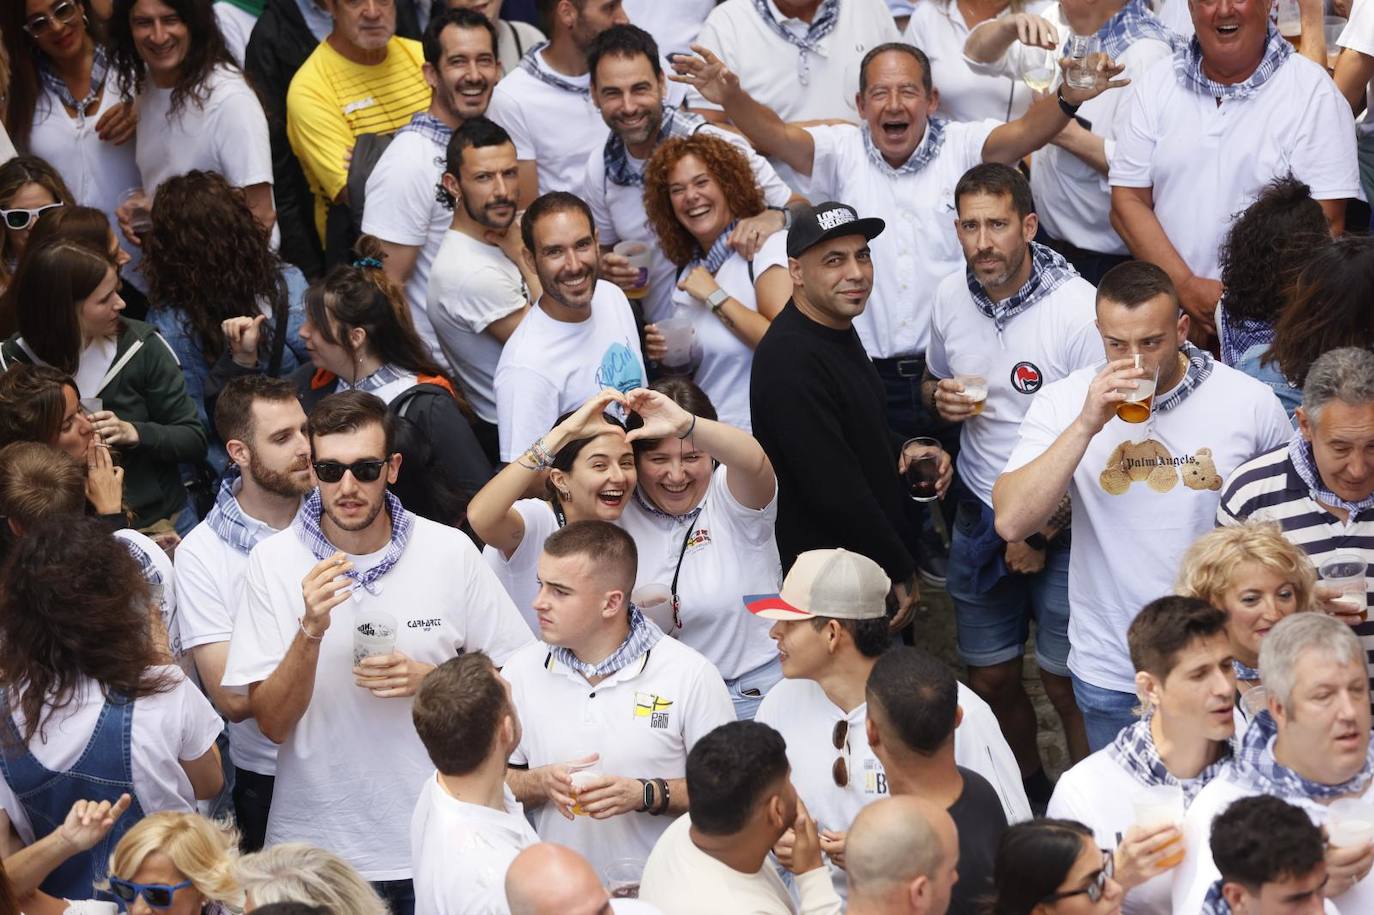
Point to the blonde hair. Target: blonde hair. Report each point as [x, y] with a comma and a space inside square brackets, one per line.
[297, 872]
[1209, 566]
[204, 852]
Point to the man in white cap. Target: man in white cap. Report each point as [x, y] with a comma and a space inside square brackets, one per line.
[831, 627]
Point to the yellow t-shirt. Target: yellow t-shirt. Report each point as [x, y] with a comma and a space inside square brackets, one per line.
[333, 101]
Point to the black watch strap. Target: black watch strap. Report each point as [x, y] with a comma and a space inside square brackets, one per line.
[1036, 541]
[1069, 108]
[647, 785]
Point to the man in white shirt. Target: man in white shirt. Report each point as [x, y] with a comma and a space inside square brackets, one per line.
[831, 628]
[629, 89]
[263, 427]
[1070, 174]
[1143, 483]
[1176, 180]
[467, 826]
[1017, 317]
[578, 339]
[1187, 684]
[715, 859]
[902, 858]
[1269, 855]
[480, 287]
[1310, 747]
[409, 594]
[546, 102]
[610, 707]
[401, 206]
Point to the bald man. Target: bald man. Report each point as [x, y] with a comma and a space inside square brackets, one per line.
[548, 879]
[903, 858]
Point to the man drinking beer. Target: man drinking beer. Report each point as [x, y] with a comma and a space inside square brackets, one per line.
[1141, 492]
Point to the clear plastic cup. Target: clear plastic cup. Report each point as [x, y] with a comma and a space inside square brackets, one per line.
[140, 210]
[1333, 26]
[581, 776]
[1350, 823]
[972, 372]
[1083, 52]
[678, 335]
[1161, 805]
[622, 877]
[374, 634]
[641, 256]
[1345, 574]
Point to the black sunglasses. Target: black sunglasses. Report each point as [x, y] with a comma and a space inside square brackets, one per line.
[363, 471]
[1095, 890]
[64, 12]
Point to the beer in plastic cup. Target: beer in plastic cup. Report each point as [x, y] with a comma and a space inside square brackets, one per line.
[640, 256]
[582, 776]
[1350, 823]
[1139, 401]
[1161, 805]
[972, 373]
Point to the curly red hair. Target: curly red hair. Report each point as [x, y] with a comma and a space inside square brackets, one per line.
[726, 164]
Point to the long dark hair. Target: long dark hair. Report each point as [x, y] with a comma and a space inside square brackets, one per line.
[1327, 307]
[1033, 858]
[32, 403]
[52, 282]
[208, 258]
[1266, 246]
[205, 51]
[26, 86]
[73, 605]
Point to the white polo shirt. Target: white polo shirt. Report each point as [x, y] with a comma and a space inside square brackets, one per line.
[1052, 339]
[519, 574]
[1206, 162]
[463, 850]
[550, 367]
[445, 601]
[401, 207]
[801, 712]
[642, 720]
[1143, 491]
[1072, 198]
[619, 214]
[731, 552]
[919, 247]
[471, 285]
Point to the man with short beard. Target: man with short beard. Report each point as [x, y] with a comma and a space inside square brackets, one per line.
[350, 766]
[264, 432]
[401, 207]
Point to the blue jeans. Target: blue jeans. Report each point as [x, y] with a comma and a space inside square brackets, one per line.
[748, 689]
[1105, 712]
[399, 895]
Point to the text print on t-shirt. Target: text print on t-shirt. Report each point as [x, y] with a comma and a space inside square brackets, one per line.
[654, 709]
[619, 369]
[875, 779]
[1149, 462]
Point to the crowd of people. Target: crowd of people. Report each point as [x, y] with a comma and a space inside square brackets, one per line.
[502, 458]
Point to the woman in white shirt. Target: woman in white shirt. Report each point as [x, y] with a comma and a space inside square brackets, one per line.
[695, 189]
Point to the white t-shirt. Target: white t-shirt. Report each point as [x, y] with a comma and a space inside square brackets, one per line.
[919, 247]
[642, 720]
[160, 575]
[519, 574]
[1054, 338]
[549, 367]
[551, 126]
[237, 27]
[401, 207]
[1072, 198]
[619, 213]
[1145, 491]
[681, 879]
[674, 25]
[1198, 872]
[471, 285]
[168, 727]
[731, 553]
[1206, 162]
[723, 361]
[801, 712]
[445, 601]
[462, 852]
[1358, 35]
[967, 93]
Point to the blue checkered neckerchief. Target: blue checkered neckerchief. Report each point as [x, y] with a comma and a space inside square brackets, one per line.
[378, 379]
[657, 512]
[1256, 769]
[1188, 68]
[55, 84]
[226, 518]
[530, 64]
[1245, 673]
[307, 527]
[642, 636]
[925, 152]
[427, 125]
[1239, 335]
[1134, 22]
[1300, 455]
[675, 124]
[1048, 272]
[822, 24]
[1199, 367]
[712, 260]
[1215, 903]
[1134, 750]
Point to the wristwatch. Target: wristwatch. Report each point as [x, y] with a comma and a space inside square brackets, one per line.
[1069, 108]
[717, 299]
[1036, 541]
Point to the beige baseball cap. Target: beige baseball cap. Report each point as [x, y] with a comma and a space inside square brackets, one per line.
[834, 583]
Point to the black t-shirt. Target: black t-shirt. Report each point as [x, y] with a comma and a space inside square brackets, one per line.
[980, 819]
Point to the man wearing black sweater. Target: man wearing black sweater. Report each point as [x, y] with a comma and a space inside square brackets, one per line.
[819, 408]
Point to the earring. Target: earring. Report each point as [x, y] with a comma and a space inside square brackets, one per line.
[565, 495]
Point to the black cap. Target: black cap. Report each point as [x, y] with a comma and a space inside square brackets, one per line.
[829, 220]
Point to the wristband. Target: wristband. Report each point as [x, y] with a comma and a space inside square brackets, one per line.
[690, 429]
[648, 795]
[306, 632]
[663, 798]
[716, 299]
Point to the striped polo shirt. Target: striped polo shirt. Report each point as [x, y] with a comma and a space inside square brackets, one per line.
[1268, 488]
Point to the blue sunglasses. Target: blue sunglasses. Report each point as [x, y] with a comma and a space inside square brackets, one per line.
[157, 895]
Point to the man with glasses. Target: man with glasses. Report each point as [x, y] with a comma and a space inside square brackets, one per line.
[350, 766]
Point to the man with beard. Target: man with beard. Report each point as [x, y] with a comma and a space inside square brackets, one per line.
[264, 432]
[480, 287]
[578, 339]
[401, 207]
[410, 594]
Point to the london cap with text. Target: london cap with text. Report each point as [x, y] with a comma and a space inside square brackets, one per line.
[829, 220]
[831, 583]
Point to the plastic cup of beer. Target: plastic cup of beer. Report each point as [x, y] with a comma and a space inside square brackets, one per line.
[922, 468]
[374, 635]
[1139, 401]
[1350, 823]
[972, 373]
[655, 601]
[1161, 805]
[677, 338]
[582, 776]
[1345, 574]
[622, 877]
[640, 256]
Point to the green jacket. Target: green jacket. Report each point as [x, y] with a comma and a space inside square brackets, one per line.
[144, 386]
